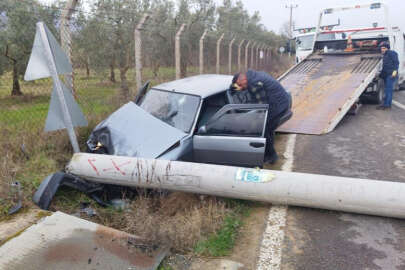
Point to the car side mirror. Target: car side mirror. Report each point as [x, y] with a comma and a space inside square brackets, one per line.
[202, 129]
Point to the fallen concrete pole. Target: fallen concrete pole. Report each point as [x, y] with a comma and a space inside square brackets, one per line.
[362, 196]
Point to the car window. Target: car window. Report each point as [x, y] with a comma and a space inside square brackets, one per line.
[239, 122]
[175, 109]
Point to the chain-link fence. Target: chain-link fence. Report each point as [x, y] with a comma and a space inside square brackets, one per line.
[100, 42]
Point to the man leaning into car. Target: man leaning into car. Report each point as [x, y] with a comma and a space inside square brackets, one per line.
[259, 87]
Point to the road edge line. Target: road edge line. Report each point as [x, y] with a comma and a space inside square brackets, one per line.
[273, 237]
[399, 105]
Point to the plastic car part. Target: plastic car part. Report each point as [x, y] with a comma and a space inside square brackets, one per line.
[50, 185]
[17, 207]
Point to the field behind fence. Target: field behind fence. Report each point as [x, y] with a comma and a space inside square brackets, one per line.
[113, 51]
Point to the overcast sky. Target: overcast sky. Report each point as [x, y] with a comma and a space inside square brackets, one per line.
[274, 13]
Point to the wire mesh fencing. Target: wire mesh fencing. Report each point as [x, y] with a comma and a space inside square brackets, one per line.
[100, 42]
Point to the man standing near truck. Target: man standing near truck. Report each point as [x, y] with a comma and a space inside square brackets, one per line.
[259, 87]
[389, 74]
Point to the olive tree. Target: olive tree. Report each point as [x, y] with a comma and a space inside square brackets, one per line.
[17, 34]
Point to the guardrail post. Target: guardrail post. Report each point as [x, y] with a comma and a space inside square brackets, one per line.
[239, 54]
[202, 52]
[219, 52]
[138, 51]
[247, 55]
[66, 39]
[178, 51]
[230, 56]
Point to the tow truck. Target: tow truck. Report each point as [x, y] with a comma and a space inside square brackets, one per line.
[304, 39]
[340, 74]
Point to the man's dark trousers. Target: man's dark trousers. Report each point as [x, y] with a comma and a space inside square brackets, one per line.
[389, 83]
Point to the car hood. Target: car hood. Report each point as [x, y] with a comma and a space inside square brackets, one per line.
[131, 131]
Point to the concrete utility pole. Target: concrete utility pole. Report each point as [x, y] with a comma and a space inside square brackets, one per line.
[138, 51]
[291, 7]
[66, 39]
[290, 34]
[178, 51]
[219, 52]
[382, 198]
[202, 51]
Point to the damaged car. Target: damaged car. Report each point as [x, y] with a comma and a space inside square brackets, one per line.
[192, 119]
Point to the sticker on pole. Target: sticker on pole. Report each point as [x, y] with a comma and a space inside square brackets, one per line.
[253, 176]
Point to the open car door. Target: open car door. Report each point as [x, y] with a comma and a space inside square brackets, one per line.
[233, 136]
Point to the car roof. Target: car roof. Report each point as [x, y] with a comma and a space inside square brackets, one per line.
[201, 85]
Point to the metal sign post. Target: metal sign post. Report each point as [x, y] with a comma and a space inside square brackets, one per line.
[58, 86]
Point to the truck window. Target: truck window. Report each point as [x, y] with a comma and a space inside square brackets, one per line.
[304, 43]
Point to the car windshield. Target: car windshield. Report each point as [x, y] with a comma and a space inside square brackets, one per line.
[177, 110]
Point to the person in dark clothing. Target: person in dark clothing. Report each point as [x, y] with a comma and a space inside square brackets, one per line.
[389, 74]
[255, 87]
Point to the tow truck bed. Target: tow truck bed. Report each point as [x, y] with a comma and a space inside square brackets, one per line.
[324, 87]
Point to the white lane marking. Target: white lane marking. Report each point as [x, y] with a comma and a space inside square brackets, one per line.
[273, 236]
[399, 105]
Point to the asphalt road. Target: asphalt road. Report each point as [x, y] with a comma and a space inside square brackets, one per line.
[369, 145]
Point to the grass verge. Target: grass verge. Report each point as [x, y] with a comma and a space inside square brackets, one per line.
[221, 242]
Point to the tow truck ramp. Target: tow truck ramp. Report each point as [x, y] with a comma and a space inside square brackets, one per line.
[324, 87]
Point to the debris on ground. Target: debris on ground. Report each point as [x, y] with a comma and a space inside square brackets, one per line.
[61, 241]
[17, 194]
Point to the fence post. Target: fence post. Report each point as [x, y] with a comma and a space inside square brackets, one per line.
[264, 61]
[247, 55]
[230, 56]
[252, 56]
[178, 51]
[66, 39]
[239, 54]
[138, 51]
[202, 51]
[261, 53]
[270, 55]
[219, 52]
[258, 56]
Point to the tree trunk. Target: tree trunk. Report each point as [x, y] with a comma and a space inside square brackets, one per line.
[124, 83]
[87, 68]
[112, 73]
[16, 84]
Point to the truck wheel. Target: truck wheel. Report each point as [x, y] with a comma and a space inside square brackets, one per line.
[396, 86]
[401, 86]
[378, 95]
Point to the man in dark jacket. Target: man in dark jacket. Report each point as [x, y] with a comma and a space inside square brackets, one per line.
[259, 87]
[389, 73]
